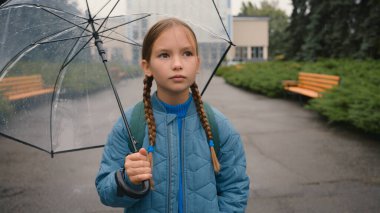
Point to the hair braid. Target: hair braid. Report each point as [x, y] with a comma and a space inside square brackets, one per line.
[149, 119]
[205, 123]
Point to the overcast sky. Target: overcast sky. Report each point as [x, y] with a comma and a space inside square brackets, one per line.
[285, 5]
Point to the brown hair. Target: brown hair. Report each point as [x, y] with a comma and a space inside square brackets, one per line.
[156, 30]
[147, 47]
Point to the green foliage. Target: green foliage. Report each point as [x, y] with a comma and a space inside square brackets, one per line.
[5, 109]
[333, 29]
[77, 78]
[356, 101]
[264, 78]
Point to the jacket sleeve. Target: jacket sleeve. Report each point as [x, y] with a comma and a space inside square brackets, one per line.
[113, 157]
[232, 181]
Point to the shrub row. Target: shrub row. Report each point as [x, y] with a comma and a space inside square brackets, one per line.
[79, 78]
[356, 101]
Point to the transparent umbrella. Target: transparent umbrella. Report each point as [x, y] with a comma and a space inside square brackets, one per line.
[68, 68]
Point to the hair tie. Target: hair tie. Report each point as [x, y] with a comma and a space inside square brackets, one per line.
[150, 149]
[211, 143]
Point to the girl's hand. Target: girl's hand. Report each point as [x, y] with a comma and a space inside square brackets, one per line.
[137, 167]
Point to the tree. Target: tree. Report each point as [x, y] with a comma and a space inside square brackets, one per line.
[295, 32]
[336, 29]
[278, 22]
[368, 29]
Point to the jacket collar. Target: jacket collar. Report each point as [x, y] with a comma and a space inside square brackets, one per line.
[158, 106]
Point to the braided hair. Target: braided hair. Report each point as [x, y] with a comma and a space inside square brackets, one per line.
[152, 35]
[152, 125]
[149, 119]
[205, 123]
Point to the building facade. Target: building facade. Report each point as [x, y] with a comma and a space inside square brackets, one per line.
[196, 10]
[251, 37]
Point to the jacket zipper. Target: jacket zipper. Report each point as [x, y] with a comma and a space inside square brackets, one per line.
[170, 169]
[182, 166]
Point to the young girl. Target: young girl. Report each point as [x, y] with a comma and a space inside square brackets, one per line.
[181, 162]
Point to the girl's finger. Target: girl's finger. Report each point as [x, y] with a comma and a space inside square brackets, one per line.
[143, 151]
[137, 179]
[138, 171]
[136, 164]
[135, 156]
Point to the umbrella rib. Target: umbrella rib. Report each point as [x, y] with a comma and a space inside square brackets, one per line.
[23, 142]
[216, 68]
[126, 42]
[66, 20]
[76, 42]
[72, 58]
[108, 15]
[64, 39]
[128, 22]
[30, 46]
[42, 7]
[112, 31]
[98, 19]
[79, 149]
[101, 9]
[56, 82]
[216, 8]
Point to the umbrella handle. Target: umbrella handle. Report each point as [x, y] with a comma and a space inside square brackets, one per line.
[124, 189]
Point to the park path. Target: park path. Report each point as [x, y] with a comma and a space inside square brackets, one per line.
[296, 162]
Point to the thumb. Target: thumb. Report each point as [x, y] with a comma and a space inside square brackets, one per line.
[143, 152]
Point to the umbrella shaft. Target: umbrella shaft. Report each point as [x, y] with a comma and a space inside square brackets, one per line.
[101, 51]
[98, 41]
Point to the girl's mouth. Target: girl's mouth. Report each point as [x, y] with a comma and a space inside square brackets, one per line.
[177, 77]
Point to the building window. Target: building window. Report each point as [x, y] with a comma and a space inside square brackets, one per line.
[257, 53]
[241, 53]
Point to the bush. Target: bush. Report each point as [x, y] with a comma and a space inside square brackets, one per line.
[356, 101]
[5, 109]
[264, 78]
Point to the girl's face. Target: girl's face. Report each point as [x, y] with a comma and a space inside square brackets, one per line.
[173, 64]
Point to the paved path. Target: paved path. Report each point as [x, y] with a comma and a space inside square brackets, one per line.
[296, 163]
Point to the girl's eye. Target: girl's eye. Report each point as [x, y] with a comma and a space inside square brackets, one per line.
[188, 53]
[163, 55]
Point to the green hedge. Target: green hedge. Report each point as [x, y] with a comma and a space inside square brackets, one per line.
[356, 101]
[5, 109]
[80, 78]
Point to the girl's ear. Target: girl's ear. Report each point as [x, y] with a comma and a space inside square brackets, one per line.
[145, 67]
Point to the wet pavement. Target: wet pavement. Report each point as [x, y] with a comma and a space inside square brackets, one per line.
[297, 163]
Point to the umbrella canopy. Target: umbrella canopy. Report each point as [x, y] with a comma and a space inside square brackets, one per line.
[57, 58]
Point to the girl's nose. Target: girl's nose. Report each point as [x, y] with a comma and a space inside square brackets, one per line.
[177, 64]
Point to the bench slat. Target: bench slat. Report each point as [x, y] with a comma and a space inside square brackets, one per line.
[317, 89]
[312, 84]
[305, 92]
[322, 86]
[322, 76]
[24, 85]
[30, 94]
[322, 81]
[19, 78]
[19, 87]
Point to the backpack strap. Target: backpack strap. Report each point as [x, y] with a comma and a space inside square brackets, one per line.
[214, 127]
[138, 123]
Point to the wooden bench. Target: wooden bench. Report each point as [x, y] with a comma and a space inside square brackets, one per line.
[311, 84]
[20, 87]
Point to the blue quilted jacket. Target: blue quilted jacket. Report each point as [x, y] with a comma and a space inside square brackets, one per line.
[203, 191]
